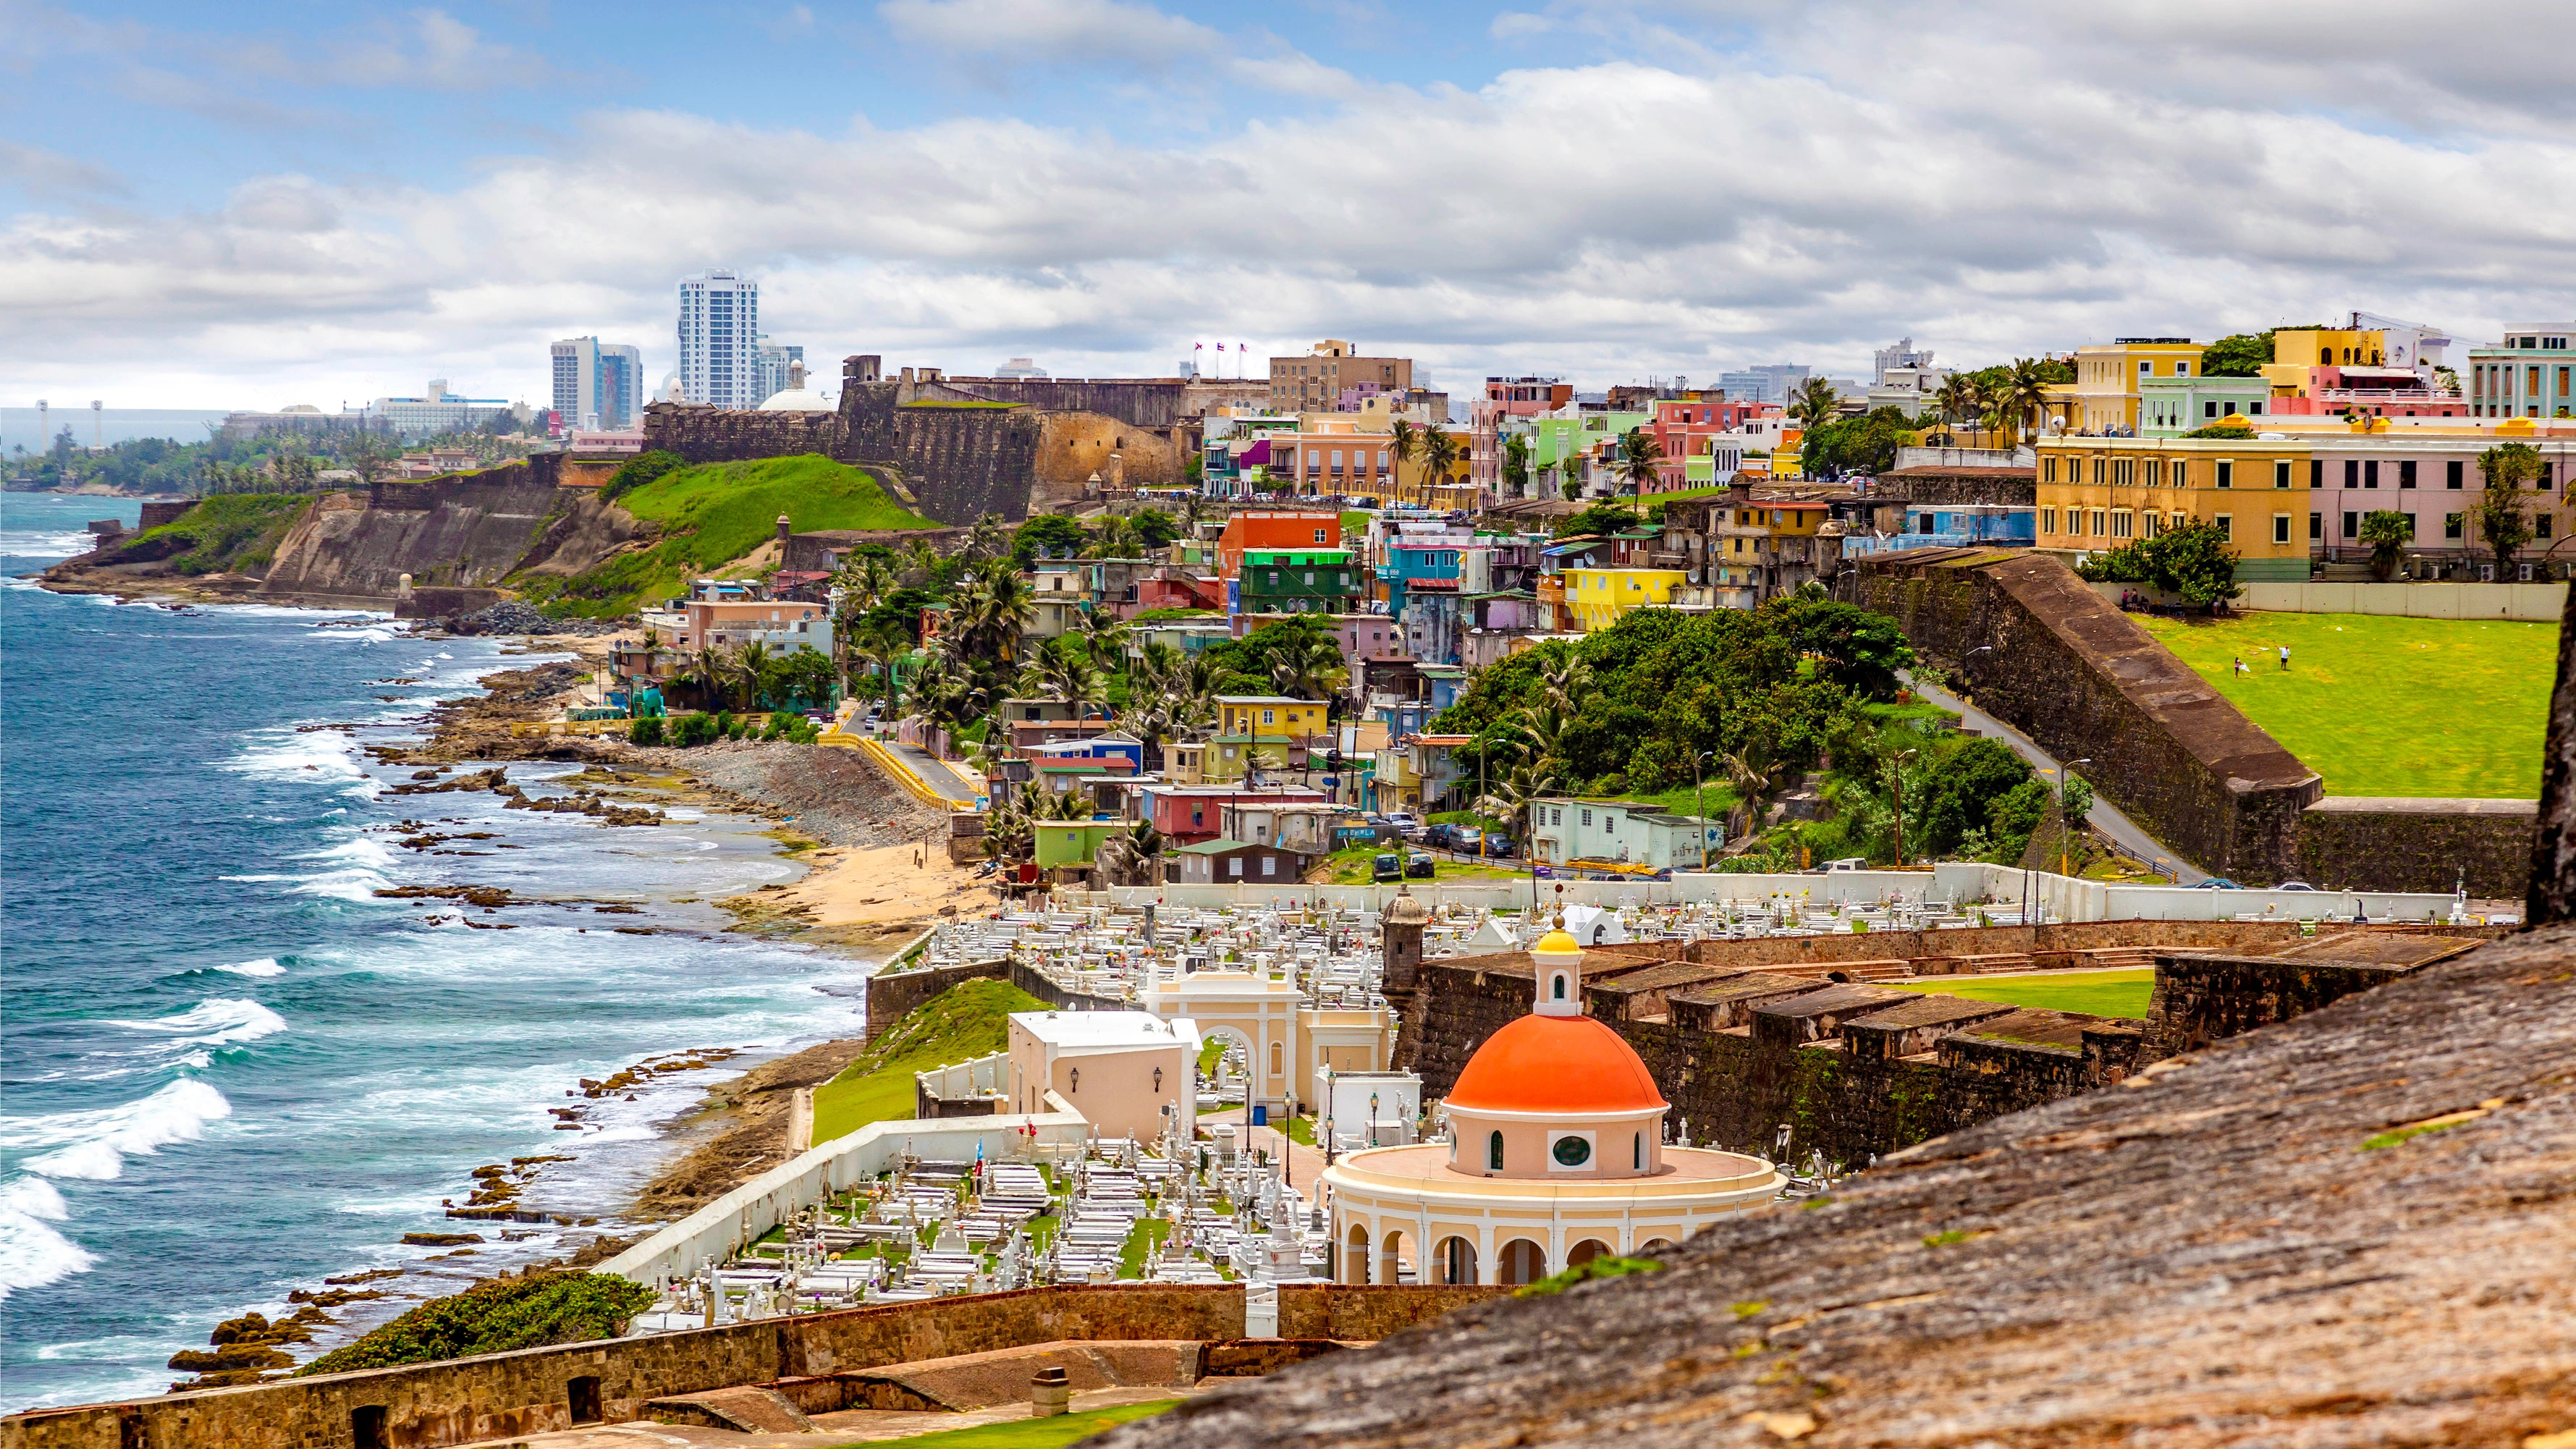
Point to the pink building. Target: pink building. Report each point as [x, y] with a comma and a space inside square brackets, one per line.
[1358, 636]
[1188, 814]
[2382, 392]
[1687, 426]
[1506, 397]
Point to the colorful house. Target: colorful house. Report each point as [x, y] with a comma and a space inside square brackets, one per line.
[1251, 528]
[1598, 597]
[1297, 581]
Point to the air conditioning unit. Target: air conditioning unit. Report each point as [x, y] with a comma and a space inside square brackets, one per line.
[2486, 573]
[2524, 573]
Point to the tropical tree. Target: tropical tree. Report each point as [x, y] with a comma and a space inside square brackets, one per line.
[1132, 857]
[1439, 456]
[1104, 635]
[1755, 774]
[1516, 468]
[2500, 513]
[1641, 458]
[2387, 532]
[751, 667]
[1962, 400]
[1065, 676]
[709, 673]
[1308, 667]
[1407, 449]
[1513, 796]
[1814, 403]
[2024, 396]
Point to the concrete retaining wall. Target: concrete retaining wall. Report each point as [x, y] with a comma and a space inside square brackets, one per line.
[2541, 602]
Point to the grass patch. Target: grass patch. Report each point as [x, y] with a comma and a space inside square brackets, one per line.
[225, 532]
[1943, 1240]
[2422, 707]
[967, 1020]
[1353, 865]
[711, 515]
[2094, 993]
[1601, 1267]
[1031, 1433]
[493, 1317]
[1142, 1242]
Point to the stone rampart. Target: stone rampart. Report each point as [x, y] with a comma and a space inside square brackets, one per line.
[2420, 845]
[464, 530]
[731, 435]
[1745, 1036]
[2044, 653]
[498, 1396]
[1138, 402]
[894, 995]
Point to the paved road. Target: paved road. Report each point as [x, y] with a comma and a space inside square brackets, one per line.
[2103, 817]
[934, 773]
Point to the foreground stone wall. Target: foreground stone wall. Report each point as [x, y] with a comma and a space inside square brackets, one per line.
[503, 1395]
[2419, 845]
[2044, 653]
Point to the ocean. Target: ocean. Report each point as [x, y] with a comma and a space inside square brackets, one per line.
[229, 1069]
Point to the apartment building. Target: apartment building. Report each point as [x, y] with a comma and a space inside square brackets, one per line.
[1315, 382]
[2104, 399]
[2527, 375]
[2098, 493]
[1251, 528]
[720, 339]
[1298, 581]
[1702, 427]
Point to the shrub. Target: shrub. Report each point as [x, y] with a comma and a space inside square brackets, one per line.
[692, 730]
[646, 731]
[638, 471]
[506, 1313]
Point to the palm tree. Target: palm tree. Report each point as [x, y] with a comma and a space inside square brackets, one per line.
[1814, 403]
[708, 671]
[1308, 668]
[1439, 457]
[1568, 682]
[1755, 775]
[1407, 448]
[2025, 395]
[1063, 676]
[751, 667]
[1512, 797]
[1641, 458]
[1962, 399]
[990, 537]
[1116, 538]
[1132, 857]
[1104, 634]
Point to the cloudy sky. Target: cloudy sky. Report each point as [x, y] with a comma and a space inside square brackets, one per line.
[276, 201]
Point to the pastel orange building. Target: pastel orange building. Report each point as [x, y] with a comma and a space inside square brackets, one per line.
[1256, 528]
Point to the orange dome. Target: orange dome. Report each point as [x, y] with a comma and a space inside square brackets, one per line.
[1556, 1064]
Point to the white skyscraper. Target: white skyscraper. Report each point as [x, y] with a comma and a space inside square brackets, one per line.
[720, 339]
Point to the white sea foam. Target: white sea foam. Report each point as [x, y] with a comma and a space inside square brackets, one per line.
[30, 543]
[264, 966]
[32, 1252]
[93, 1145]
[320, 755]
[217, 1021]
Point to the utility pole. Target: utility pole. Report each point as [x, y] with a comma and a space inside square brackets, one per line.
[1897, 782]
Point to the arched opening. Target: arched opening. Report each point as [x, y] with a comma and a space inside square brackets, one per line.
[1637, 1152]
[2325, 357]
[1656, 1248]
[1355, 1257]
[1395, 1258]
[1585, 1251]
[1457, 1259]
[1494, 1152]
[1556, 987]
[1520, 1263]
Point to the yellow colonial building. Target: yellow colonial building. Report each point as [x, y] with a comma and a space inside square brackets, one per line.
[1596, 598]
[1256, 731]
[2104, 397]
[2097, 494]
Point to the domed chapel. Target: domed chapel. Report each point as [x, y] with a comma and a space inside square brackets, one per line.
[1555, 1155]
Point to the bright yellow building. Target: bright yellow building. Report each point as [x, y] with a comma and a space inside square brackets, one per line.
[1267, 717]
[2097, 494]
[2104, 396]
[1598, 597]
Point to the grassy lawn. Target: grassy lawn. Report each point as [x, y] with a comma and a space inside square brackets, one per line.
[1353, 866]
[2096, 993]
[967, 1020]
[1029, 1433]
[715, 513]
[1143, 1240]
[2427, 707]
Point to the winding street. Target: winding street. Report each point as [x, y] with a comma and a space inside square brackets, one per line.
[2104, 817]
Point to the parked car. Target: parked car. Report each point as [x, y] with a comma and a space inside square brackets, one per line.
[1849, 862]
[2294, 885]
[1419, 867]
[1497, 848]
[2218, 883]
[1386, 867]
[1466, 839]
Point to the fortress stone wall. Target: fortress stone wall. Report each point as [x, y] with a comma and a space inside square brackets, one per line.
[462, 530]
[499, 1396]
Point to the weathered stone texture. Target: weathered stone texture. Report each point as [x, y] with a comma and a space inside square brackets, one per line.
[467, 529]
[2396, 844]
[893, 996]
[2046, 654]
[2234, 1250]
[731, 435]
[2553, 845]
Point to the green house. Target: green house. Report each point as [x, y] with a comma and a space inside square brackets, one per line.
[1300, 581]
[1071, 842]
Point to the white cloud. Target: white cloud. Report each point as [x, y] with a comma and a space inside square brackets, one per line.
[1052, 31]
[1991, 193]
[433, 50]
[52, 175]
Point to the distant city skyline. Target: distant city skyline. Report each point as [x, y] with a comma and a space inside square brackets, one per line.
[1097, 183]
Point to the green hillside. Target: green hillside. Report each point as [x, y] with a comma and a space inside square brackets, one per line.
[711, 515]
[225, 532]
[970, 1019]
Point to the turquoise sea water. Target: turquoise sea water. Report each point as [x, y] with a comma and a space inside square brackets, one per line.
[228, 1069]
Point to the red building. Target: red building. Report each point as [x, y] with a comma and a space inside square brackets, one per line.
[1188, 814]
[1687, 426]
[1253, 528]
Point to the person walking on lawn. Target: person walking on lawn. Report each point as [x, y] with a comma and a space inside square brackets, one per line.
[2285, 656]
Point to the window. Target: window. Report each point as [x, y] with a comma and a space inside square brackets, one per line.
[2281, 473]
[2182, 369]
[2352, 472]
[2451, 523]
[2097, 524]
[1587, 819]
[2410, 527]
[2540, 526]
[2048, 520]
[2370, 474]
[1234, 867]
[2048, 470]
[2351, 524]
[2226, 525]
[2098, 461]
[2406, 474]
[2280, 528]
[1556, 987]
[2316, 525]
[2146, 369]
[1494, 1152]
[1270, 716]
[2226, 473]
[2120, 523]
[1571, 1151]
[1637, 1151]
[2209, 410]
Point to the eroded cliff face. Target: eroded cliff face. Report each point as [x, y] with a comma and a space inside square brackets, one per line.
[466, 530]
[470, 530]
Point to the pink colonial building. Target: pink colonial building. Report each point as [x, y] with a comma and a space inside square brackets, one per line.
[2381, 392]
[1506, 397]
[1687, 426]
